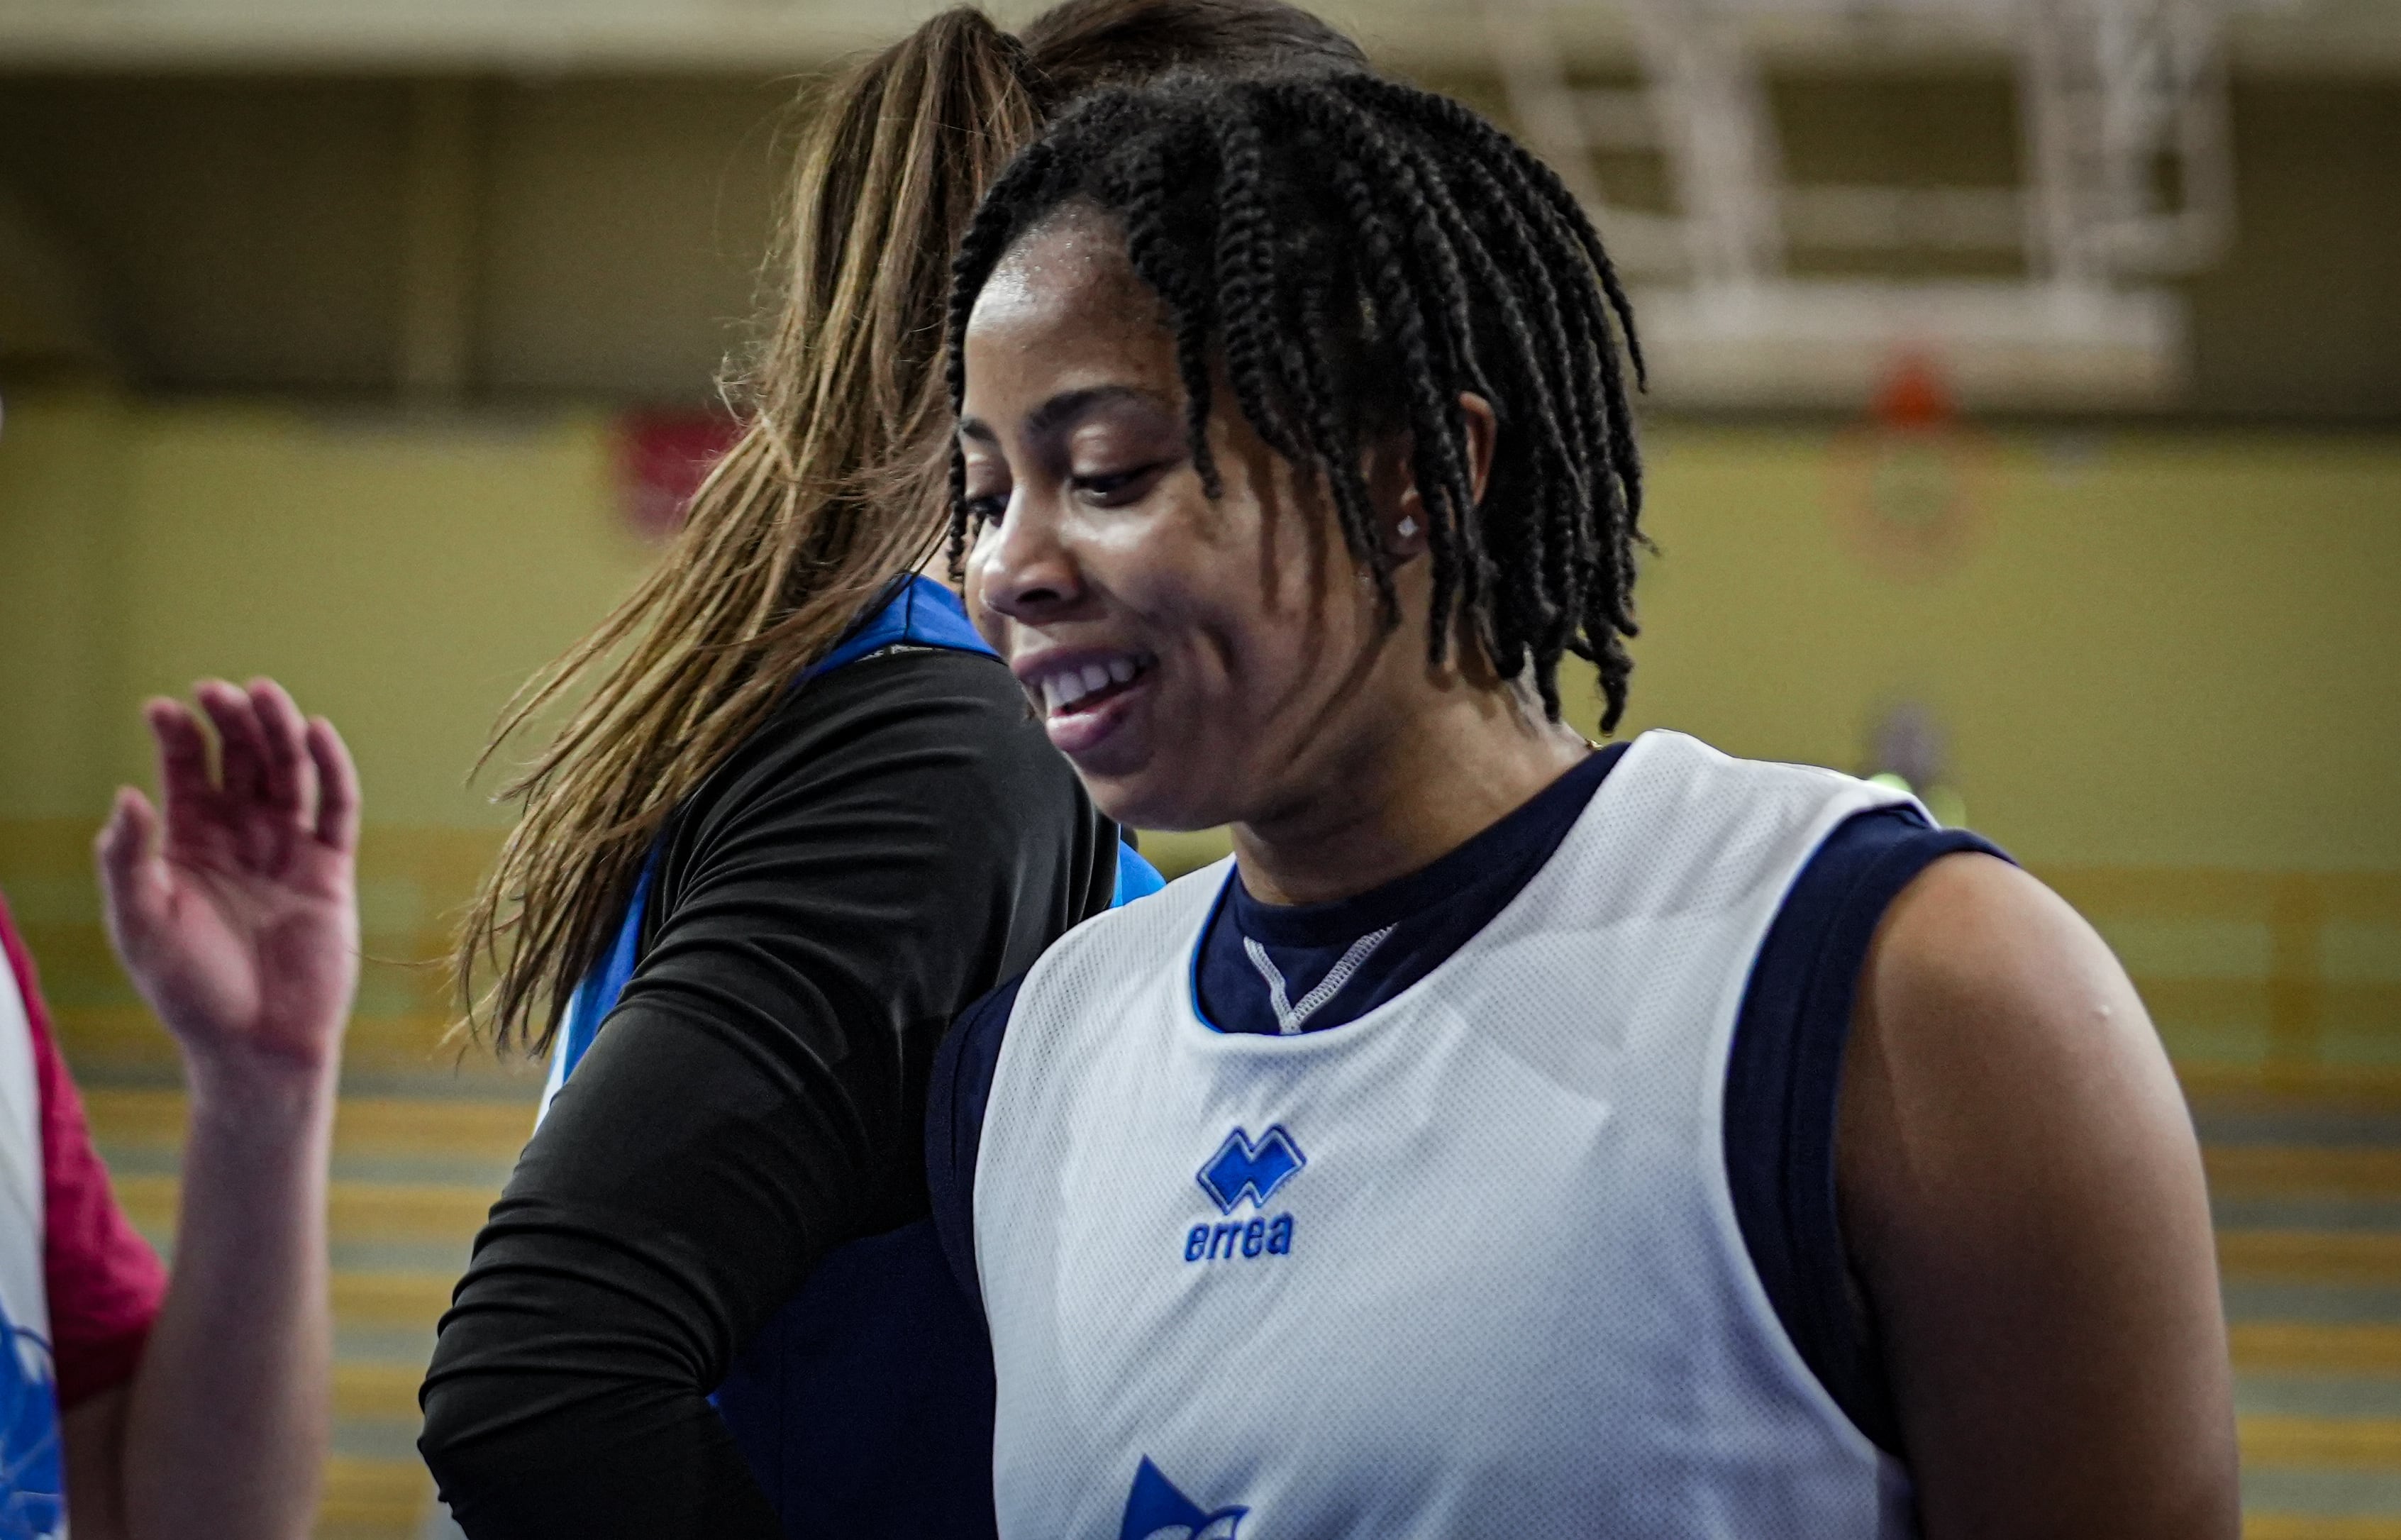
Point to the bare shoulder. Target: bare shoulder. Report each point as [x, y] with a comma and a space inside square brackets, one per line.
[1976, 935]
[2023, 1201]
[2001, 1068]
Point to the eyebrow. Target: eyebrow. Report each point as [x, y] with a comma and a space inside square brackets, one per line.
[1059, 410]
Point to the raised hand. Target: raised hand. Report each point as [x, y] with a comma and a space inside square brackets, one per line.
[239, 919]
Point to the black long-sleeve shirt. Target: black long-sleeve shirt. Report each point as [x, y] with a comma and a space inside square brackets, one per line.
[894, 842]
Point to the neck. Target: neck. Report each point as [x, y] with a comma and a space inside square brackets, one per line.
[1392, 805]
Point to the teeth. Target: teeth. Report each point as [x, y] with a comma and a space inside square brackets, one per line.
[1065, 689]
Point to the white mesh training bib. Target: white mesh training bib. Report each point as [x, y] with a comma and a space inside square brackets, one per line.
[1467, 1266]
[32, 1487]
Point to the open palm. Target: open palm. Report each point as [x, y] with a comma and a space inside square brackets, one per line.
[236, 911]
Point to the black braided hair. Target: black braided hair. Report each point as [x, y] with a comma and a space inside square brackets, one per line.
[1357, 253]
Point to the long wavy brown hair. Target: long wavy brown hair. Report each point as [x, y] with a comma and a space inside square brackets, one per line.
[838, 480]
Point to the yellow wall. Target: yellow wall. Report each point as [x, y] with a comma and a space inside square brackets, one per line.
[2157, 648]
[2153, 648]
[402, 577]
[61, 492]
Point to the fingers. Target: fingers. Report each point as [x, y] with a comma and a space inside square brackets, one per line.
[131, 875]
[270, 760]
[288, 776]
[242, 746]
[337, 787]
[183, 753]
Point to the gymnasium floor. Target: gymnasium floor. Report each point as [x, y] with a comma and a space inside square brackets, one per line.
[413, 1177]
[2307, 1193]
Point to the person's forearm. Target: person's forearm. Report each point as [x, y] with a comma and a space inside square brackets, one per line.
[567, 1396]
[227, 1428]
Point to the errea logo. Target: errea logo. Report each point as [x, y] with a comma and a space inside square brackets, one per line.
[1156, 1510]
[1241, 1169]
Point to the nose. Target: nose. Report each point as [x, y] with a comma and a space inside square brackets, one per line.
[1022, 568]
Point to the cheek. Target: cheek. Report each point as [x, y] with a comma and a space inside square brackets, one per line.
[1289, 590]
[1233, 595]
[1253, 638]
[1156, 561]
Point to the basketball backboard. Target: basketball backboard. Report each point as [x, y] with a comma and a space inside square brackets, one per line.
[2125, 179]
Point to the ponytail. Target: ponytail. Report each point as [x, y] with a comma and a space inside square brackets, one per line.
[836, 483]
[840, 479]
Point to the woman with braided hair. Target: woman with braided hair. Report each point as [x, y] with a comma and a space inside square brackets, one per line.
[1516, 1137]
[798, 821]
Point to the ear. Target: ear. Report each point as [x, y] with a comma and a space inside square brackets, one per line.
[1392, 483]
[1482, 433]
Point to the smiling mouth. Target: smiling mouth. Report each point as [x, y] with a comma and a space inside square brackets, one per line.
[1073, 691]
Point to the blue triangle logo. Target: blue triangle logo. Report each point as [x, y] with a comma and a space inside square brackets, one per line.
[33, 1474]
[1154, 1510]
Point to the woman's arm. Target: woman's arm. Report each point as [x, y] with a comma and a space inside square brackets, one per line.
[2023, 1200]
[234, 915]
[884, 851]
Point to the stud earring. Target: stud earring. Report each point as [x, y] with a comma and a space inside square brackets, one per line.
[1408, 527]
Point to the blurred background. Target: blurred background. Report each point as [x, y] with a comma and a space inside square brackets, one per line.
[2025, 424]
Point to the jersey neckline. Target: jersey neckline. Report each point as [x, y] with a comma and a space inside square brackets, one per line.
[1193, 1020]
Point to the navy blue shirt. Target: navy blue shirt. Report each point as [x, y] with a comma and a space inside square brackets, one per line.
[1268, 968]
